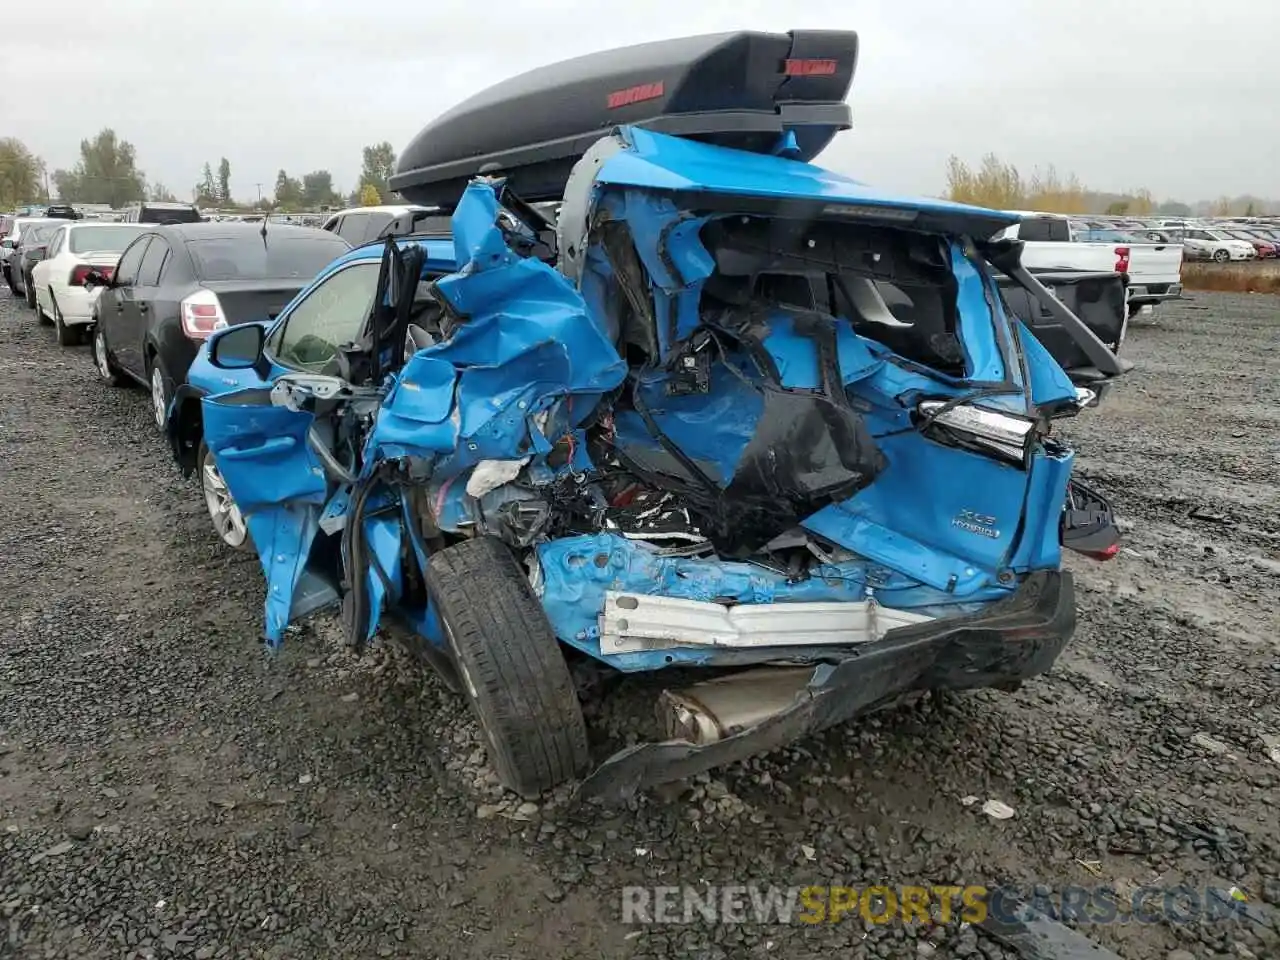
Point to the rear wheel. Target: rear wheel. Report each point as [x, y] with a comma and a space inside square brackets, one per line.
[102, 359]
[29, 290]
[159, 381]
[510, 665]
[1221, 256]
[228, 521]
[67, 336]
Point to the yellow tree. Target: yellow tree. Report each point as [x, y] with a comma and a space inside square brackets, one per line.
[369, 196]
[993, 184]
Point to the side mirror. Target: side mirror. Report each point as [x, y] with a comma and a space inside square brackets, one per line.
[237, 348]
[36, 254]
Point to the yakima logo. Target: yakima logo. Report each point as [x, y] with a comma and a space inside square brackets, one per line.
[809, 68]
[637, 94]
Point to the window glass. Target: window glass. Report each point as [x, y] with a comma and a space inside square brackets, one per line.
[153, 263]
[333, 314]
[280, 257]
[352, 228]
[169, 214]
[377, 223]
[127, 269]
[104, 239]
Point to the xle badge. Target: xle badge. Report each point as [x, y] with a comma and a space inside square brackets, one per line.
[979, 523]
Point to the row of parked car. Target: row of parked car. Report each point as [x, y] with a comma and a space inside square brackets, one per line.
[1217, 239]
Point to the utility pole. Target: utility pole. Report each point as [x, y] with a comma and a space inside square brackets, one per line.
[259, 186]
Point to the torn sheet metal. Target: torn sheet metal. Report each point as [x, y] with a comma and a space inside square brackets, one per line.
[524, 345]
[634, 622]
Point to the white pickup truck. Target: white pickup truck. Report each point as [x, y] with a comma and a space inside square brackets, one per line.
[1055, 242]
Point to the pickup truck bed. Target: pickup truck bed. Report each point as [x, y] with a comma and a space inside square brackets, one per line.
[1097, 298]
[1154, 270]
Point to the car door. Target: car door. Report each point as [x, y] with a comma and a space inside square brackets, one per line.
[122, 322]
[40, 272]
[262, 450]
[145, 300]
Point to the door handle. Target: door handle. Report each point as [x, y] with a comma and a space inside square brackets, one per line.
[142, 306]
[119, 307]
[273, 445]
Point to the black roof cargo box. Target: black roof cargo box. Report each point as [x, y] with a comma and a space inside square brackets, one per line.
[739, 89]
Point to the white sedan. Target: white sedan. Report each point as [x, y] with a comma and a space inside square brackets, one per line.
[74, 250]
[1202, 244]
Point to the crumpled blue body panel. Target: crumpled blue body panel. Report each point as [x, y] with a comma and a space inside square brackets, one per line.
[528, 355]
[529, 362]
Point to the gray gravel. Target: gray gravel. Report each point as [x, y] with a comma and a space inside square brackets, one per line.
[165, 790]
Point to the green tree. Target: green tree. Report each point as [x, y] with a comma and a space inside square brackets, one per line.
[224, 180]
[106, 172]
[379, 162]
[317, 189]
[20, 174]
[207, 189]
[161, 194]
[288, 192]
[369, 196]
[1173, 208]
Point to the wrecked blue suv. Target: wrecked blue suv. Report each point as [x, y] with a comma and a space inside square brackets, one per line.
[723, 410]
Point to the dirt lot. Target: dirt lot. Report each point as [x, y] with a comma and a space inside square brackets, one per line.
[167, 790]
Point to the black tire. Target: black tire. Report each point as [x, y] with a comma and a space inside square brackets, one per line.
[1221, 256]
[67, 336]
[510, 665]
[104, 362]
[29, 291]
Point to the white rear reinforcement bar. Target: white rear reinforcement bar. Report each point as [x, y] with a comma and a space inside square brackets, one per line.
[633, 623]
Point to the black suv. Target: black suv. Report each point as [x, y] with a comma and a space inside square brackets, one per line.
[155, 212]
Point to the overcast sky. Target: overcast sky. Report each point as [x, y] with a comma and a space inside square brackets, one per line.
[1179, 96]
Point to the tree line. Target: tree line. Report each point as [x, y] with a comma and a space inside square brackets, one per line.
[107, 172]
[1000, 185]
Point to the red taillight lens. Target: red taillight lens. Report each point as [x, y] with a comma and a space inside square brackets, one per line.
[78, 274]
[202, 314]
[809, 68]
[1122, 259]
[1106, 553]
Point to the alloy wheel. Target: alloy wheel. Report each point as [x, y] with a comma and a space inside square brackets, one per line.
[100, 355]
[228, 521]
[159, 398]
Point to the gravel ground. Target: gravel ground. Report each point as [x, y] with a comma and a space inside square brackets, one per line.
[166, 790]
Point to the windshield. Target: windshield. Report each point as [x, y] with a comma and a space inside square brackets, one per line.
[103, 239]
[1111, 236]
[1215, 235]
[249, 258]
[39, 234]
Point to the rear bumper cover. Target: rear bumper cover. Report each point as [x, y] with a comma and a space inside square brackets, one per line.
[1010, 641]
[1154, 293]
